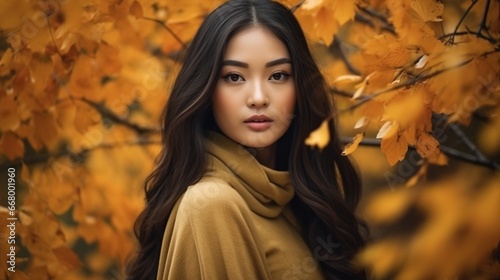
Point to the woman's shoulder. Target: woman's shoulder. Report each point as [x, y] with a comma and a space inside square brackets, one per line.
[211, 196]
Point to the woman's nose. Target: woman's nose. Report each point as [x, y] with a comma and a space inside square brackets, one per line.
[258, 96]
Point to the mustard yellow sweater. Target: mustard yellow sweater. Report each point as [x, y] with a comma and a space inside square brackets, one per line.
[235, 223]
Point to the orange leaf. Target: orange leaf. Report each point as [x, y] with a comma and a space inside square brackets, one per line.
[45, 128]
[66, 256]
[428, 10]
[86, 116]
[11, 146]
[394, 148]
[136, 10]
[8, 112]
[344, 11]
[427, 145]
[387, 129]
[351, 147]
[319, 137]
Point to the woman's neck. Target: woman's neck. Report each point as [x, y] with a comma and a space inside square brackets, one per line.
[265, 156]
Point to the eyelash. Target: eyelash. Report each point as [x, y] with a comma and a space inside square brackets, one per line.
[283, 74]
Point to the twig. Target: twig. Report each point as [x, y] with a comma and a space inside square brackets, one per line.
[386, 25]
[52, 36]
[337, 47]
[467, 141]
[168, 29]
[296, 6]
[452, 153]
[468, 32]
[452, 39]
[106, 113]
[483, 26]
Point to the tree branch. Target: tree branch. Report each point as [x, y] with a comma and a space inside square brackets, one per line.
[296, 6]
[45, 157]
[452, 39]
[452, 153]
[483, 26]
[385, 24]
[337, 48]
[413, 81]
[168, 30]
[472, 147]
[106, 113]
[468, 32]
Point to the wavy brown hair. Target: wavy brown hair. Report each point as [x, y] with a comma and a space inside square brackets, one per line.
[327, 186]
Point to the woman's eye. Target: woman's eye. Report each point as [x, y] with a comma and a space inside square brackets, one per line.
[233, 78]
[280, 76]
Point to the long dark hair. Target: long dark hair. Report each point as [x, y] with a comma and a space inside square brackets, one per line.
[326, 185]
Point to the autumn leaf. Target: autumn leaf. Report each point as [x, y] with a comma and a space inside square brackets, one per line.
[8, 112]
[428, 10]
[11, 146]
[45, 129]
[393, 146]
[320, 137]
[67, 257]
[351, 147]
[427, 145]
[136, 10]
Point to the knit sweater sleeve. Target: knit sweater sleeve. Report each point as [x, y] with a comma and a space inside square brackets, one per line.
[211, 236]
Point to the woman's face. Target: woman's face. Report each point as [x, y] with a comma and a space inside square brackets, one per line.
[254, 98]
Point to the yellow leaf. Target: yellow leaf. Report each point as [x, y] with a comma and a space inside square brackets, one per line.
[427, 145]
[326, 26]
[66, 256]
[319, 137]
[387, 130]
[136, 10]
[394, 148]
[347, 79]
[359, 89]
[421, 62]
[396, 57]
[405, 107]
[361, 122]
[428, 10]
[45, 129]
[351, 147]
[438, 158]
[387, 206]
[5, 62]
[108, 60]
[312, 4]
[344, 11]
[318, 22]
[11, 146]
[382, 257]
[8, 112]
[86, 116]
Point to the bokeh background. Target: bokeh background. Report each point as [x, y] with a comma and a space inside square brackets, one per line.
[416, 84]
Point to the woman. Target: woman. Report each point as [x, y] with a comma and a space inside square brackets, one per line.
[236, 193]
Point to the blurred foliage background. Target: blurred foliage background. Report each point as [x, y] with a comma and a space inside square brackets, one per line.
[416, 84]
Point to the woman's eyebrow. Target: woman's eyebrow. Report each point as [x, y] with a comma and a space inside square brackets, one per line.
[245, 65]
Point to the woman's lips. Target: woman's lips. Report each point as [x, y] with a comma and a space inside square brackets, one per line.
[258, 122]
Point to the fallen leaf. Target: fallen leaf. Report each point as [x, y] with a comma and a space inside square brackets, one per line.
[319, 137]
[351, 147]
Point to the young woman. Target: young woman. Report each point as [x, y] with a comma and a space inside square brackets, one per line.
[236, 193]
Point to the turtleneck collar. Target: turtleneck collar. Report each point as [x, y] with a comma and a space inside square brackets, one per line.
[265, 190]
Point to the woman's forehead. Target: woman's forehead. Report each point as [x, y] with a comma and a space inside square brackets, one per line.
[255, 44]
